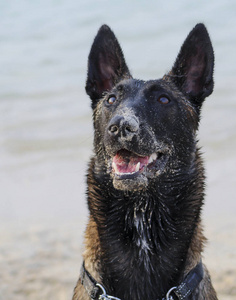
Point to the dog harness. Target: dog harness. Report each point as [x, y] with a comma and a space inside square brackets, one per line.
[181, 292]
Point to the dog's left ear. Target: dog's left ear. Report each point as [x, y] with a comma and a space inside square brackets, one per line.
[193, 68]
[106, 64]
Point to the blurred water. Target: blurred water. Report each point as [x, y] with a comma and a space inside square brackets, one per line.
[45, 123]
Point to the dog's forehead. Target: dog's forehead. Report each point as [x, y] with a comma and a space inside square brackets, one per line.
[135, 86]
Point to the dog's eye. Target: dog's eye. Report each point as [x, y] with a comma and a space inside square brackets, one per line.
[163, 100]
[111, 99]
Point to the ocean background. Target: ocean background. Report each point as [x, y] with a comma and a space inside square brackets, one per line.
[46, 125]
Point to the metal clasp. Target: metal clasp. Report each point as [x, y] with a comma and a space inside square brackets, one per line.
[104, 295]
[168, 294]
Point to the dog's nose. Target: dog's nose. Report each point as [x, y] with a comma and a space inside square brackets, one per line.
[123, 127]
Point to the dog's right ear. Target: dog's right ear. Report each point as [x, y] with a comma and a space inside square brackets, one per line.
[193, 69]
[106, 64]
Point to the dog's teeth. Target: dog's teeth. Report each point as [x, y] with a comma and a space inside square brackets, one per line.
[115, 167]
[137, 167]
[152, 158]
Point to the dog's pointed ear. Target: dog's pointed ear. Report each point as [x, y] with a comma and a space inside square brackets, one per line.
[193, 68]
[106, 64]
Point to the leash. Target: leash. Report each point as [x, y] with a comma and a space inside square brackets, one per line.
[181, 292]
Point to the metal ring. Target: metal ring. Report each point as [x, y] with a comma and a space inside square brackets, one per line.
[112, 297]
[168, 294]
[104, 293]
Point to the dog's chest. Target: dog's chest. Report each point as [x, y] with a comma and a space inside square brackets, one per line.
[142, 231]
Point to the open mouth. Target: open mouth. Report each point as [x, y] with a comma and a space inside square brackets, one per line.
[127, 164]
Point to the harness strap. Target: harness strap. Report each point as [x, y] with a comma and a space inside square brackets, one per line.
[89, 283]
[190, 282]
[97, 292]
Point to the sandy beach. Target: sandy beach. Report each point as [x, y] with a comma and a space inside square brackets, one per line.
[44, 216]
[43, 262]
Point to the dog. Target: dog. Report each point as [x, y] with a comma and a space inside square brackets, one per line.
[145, 182]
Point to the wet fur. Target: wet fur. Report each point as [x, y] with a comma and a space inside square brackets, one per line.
[145, 235]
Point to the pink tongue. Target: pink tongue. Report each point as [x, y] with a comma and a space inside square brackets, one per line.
[126, 161]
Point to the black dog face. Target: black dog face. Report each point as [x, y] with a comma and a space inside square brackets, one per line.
[144, 129]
